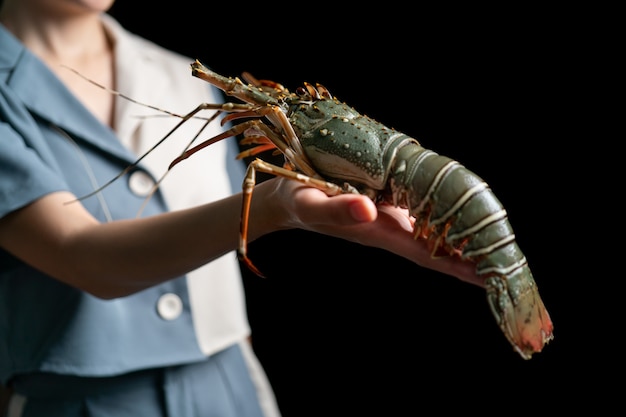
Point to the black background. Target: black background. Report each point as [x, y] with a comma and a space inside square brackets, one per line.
[347, 330]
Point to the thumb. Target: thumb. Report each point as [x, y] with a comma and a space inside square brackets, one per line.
[341, 210]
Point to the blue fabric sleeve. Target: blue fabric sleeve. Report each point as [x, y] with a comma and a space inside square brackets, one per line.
[27, 169]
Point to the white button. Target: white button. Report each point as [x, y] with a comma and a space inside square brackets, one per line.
[170, 306]
[140, 183]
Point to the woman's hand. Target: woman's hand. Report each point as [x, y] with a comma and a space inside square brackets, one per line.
[356, 218]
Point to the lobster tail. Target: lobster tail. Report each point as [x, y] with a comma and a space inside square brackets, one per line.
[519, 311]
[456, 211]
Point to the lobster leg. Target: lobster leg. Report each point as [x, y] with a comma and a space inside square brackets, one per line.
[248, 188]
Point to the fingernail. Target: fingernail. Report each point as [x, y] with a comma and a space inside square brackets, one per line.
[359, 212]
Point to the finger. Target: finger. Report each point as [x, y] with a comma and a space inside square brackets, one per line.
[396, 215]
[393, 230]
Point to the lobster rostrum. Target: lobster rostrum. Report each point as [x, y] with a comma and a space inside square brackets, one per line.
[329, 145]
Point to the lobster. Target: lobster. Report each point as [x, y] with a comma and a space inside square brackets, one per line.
[329, 145]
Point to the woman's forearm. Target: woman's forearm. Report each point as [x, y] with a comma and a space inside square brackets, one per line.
[122, 257]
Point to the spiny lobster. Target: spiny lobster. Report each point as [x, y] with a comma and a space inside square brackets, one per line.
[329, 145]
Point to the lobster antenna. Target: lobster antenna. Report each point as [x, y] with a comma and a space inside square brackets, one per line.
[160, 180]
[117, 93]
[159, 142]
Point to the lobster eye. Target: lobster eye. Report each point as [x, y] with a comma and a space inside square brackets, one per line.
[302, 92]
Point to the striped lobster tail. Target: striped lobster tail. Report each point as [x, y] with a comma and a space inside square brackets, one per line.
[458, 214]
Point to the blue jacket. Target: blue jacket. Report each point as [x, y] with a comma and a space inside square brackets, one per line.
[50, 142]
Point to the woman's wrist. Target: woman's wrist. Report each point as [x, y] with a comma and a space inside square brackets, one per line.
[267, 211]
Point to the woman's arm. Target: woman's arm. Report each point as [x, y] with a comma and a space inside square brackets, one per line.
[118, 258]
[122, 257]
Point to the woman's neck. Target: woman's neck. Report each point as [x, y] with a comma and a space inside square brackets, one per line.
[56, 31]
[64, 39]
